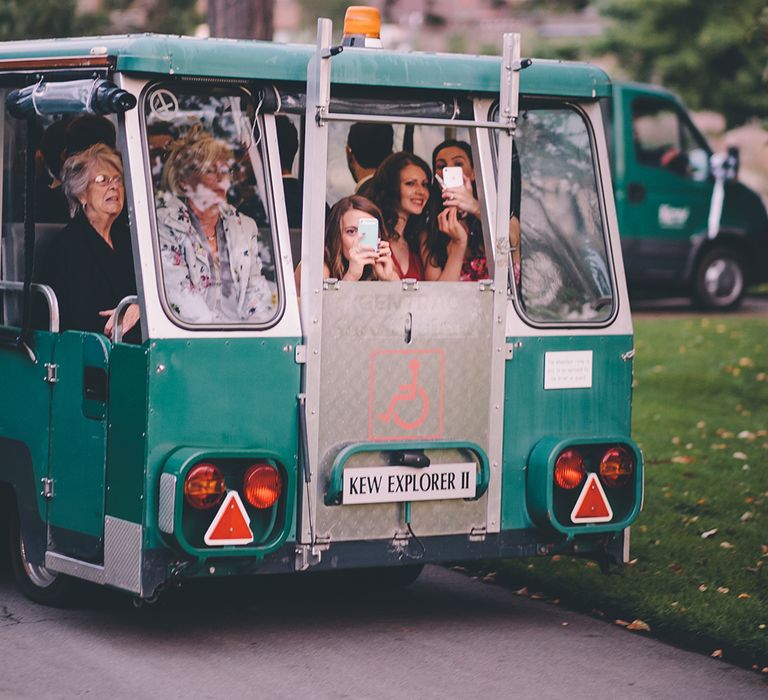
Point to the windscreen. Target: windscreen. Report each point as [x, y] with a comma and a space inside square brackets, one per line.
[214, 230]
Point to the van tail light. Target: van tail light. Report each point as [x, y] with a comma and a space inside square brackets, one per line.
[262, 485]
[569, 469]
[204, 486]
[617, 467]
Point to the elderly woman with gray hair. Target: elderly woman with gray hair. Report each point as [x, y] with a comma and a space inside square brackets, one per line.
[212, 265]
[90, 263]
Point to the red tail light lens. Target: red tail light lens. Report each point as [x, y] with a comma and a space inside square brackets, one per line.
[569, 469]
[204, 486]
[617, 467]
[262, 485]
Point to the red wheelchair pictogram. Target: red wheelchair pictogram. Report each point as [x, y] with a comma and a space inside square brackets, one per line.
[406, 393]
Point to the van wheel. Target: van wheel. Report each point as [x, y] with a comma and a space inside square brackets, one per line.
[720, 282]
[35, 581]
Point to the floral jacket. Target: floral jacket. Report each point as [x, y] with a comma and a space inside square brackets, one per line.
[188, 273]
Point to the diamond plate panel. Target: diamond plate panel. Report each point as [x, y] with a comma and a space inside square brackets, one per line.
[166, 503]
[408, 366]
[122, 554]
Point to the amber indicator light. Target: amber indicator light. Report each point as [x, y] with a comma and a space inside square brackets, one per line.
[617, 467]
[204, 486]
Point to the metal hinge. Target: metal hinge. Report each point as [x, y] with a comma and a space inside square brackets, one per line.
[478, 534]
[301, 354]
[331, 284]
[485, 285]
[51, 372]
[310, 555]
[47, 491]
[627, 356]
[410, 285]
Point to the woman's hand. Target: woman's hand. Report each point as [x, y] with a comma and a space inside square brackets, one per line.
[384, 267]
[448, 222]
[359, 257]
[462, 198]
[130, 318]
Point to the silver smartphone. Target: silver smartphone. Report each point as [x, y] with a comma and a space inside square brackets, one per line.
[369, 230]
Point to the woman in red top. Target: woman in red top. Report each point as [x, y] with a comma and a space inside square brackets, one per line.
[401, 188]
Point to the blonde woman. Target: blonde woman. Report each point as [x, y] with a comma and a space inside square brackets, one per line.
[212, 265]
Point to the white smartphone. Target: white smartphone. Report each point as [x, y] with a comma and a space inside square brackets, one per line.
[369, 230]
[453, 176]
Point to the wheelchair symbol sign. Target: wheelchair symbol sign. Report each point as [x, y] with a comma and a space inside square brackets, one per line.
[406, 394]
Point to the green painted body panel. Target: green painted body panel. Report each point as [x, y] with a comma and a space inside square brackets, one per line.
[225, 58]
[78, 440]
[127, 445]
[532, 413]
[25, 401]
[229, 394]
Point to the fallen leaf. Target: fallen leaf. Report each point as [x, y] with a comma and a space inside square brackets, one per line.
[563, 624]
[764, 548]
[708, 533]
[727, 545]
[718, 446]
[747, 435]
[676, 440]
[490, 577]
[521, 591]
[723, 589]
[683, 459]
[745, 468]
[621, 623]
[765, 669]
[676, 569]
[639, 626]
[746, 362]
[743, 596]
[761, 627]
[538, 596]
[739, 455]
[703, 587]
[746, 516]
[701, 424]
[717, 654]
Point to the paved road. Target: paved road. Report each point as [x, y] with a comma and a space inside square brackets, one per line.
[755, 306]
[447, 636]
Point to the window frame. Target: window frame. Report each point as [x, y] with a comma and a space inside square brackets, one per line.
[539, 103]
[258, 150]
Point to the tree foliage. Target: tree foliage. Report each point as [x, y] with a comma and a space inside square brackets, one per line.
[713, 53]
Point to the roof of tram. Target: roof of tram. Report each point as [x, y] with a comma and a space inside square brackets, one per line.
[158, 54]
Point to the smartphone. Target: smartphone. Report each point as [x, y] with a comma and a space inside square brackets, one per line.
[369, 230]
[453, 176]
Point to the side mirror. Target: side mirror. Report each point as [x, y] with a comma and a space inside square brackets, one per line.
[698, 164]
[725, 166]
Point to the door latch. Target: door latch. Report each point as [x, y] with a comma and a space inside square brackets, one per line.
[51, 372]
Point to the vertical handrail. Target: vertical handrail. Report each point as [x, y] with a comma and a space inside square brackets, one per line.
[312, 247]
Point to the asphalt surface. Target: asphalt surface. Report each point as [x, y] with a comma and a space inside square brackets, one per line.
[447, 636]
[754, 306]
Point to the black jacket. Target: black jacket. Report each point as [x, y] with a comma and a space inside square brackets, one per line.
[87, 275]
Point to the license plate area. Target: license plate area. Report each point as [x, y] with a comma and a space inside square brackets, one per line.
[389, 484]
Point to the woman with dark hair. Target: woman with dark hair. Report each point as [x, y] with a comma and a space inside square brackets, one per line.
[463, 200]
[345, 257]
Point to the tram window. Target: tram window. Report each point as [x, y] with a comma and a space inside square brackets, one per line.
[564, 268]
[214, 229]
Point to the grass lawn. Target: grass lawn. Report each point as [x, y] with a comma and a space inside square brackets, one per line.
[699, 570]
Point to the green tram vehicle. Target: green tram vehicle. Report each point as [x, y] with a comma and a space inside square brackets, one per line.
[356, 425]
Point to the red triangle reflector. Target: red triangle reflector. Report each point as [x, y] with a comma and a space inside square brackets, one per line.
[592, 506]
[231, 524]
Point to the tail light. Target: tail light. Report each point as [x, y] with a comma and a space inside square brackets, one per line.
[262, 485]
[204, 486]
[617, 467]
[569, 469]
